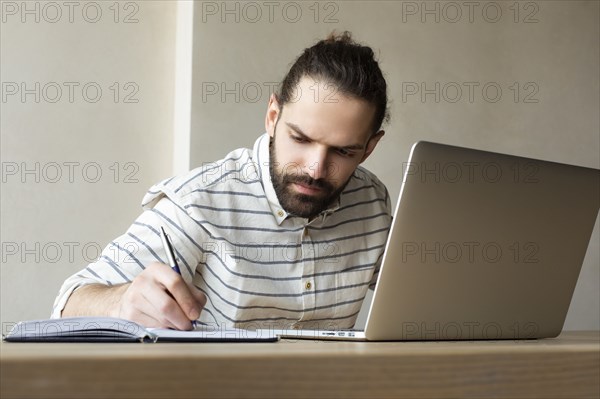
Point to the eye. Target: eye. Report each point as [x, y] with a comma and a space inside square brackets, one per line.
[345, 153]
[299, 139]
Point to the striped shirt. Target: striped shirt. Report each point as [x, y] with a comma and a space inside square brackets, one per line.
[258, 266]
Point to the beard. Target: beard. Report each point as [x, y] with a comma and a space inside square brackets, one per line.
[297, 204]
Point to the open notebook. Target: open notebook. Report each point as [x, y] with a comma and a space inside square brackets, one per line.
[110, 329]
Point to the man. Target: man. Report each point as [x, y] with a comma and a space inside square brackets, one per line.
[289, 234]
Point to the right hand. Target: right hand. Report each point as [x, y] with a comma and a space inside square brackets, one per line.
[159, 297]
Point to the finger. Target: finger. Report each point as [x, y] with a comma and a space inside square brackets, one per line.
[199, 296]
[147, 311]
[160, 279]
[137, 301]
[167, 310]
[180, 291]
[147, 320]
[139, 310]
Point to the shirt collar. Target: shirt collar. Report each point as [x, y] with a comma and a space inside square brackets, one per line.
[261, 158]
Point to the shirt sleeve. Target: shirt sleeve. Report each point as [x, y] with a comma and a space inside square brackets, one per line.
[129, 254]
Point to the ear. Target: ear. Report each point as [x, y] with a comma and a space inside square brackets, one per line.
[273, 111]
[371, 144]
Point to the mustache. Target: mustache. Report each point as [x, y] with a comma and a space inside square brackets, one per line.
[308, 181]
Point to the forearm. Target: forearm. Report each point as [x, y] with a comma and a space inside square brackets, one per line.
[95, 300]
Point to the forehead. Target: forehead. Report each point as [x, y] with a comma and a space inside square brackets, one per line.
[324, 113]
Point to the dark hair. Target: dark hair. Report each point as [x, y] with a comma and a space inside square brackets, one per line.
[349, 66]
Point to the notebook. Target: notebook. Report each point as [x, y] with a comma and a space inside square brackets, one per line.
[483, 246]
[110, 329]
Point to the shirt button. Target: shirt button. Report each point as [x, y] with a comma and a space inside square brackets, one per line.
[308, 285]
[280, 213]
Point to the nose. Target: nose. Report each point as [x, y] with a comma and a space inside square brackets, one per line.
[316, 163]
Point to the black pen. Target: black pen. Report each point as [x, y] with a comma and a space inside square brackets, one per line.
[168, 245]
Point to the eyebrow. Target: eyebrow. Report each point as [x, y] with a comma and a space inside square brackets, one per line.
[296, 128]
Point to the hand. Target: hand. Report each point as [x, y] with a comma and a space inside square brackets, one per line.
[159, 297]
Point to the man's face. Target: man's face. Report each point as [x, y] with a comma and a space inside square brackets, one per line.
[317, 141]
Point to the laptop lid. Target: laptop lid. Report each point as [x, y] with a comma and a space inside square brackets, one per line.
[483, 246]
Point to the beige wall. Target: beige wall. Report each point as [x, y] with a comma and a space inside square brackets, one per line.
[555, 57]
[53, 228]
[546, 65]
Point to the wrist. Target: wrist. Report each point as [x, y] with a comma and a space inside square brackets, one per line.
[116, 302]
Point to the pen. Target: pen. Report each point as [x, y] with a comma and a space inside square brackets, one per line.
[166, 241]
[168, 245]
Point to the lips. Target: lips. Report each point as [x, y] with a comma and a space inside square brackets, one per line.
[307, 189]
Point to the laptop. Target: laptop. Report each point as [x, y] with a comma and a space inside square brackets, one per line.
[483, 246]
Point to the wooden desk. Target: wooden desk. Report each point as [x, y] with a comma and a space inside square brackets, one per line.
[567, 366]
